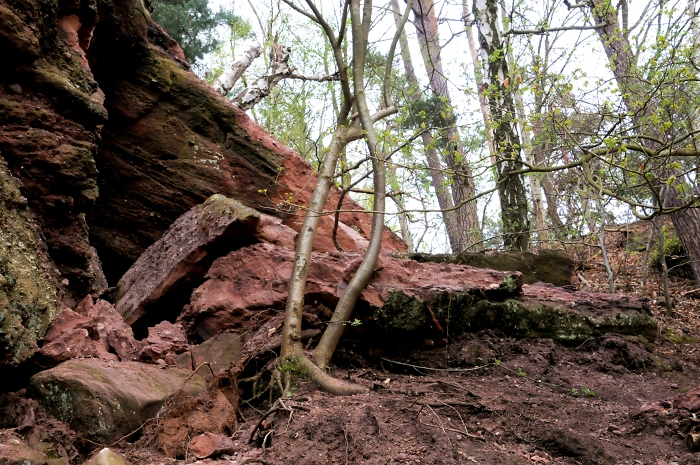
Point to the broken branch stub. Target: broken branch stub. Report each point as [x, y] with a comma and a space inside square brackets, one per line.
[261, 88]
[228, 79]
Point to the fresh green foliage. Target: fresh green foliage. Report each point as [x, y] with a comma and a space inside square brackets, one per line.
[192, 24]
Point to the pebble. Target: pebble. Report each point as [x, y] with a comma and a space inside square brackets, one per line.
[401, 457]
[674, 386]
[15, 89]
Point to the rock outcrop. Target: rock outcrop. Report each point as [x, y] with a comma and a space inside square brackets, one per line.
[171, 142]
[547, 266]
[111, 138]
[107, 400]
[249, 286]
[28, 300]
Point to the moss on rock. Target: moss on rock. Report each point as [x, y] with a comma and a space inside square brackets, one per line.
[456, 313]
[27, 293]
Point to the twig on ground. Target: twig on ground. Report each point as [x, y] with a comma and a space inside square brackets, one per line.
[418, 367]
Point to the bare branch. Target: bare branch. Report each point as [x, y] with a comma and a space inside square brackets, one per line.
[546, 30]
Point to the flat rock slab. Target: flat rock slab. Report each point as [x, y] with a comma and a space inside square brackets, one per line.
[220, 352]
[567, 316]
[409, 301]
[249, 281]
[108, 400]
[165, 274]
[547, 266]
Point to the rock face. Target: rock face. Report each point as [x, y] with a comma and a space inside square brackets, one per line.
[107, 400]
[171, 142]
[48, 136]
[28, 300]
[250, 285]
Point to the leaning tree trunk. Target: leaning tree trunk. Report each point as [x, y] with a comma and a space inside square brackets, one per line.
[516, 226]
[463, 190]
[635, 94]
[437, 176]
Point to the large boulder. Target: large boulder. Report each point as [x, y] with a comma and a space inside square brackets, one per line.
[28, 300]
[107, 400]
[249, 285]
[160, 282]
[407, 300]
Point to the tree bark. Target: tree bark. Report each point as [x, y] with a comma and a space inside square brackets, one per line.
[228, 79]
[516, 226]
[261, 88]
[641, 107]
[437, 176]
[331, 336]
[463, 188]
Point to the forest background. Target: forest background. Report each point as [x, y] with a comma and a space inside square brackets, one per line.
[521, 124]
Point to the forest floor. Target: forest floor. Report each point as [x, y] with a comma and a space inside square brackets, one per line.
[486, 398]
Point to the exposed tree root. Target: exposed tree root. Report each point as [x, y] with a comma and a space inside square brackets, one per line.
[326, 381]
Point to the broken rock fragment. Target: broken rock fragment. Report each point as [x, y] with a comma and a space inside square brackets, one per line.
[160, 282]
[94, 330]
[211, 445]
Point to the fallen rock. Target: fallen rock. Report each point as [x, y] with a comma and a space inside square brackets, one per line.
[160, 282]
[547, 266]
[107, 457]
[408, 300]
[565, 315]
[28, 300]
[689, 401]
[94, 330]
[211, 412]
[246, 284]
[221, 351]
[14, 451]
[211, 445]
[107, 400]
[165, 341]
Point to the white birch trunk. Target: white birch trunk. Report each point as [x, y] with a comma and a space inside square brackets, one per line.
[226, 81]
[261, 88]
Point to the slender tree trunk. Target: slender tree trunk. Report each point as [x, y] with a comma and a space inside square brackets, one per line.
[516, 226]
[463, 188]
[479, 81]
[618, 49]
[331, 336]
[437, 176]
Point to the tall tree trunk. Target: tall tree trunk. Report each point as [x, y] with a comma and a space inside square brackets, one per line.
[641, 106]
[463, 188]
[516, 226]
[437, 176]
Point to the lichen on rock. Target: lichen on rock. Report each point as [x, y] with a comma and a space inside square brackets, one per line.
[28, 301]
